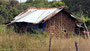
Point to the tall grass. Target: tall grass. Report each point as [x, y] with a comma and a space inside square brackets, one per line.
[12, 41]
[17, 42]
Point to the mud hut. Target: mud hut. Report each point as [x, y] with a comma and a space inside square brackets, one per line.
[50, 20]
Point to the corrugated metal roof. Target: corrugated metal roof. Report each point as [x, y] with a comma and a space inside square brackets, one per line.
[35, 15]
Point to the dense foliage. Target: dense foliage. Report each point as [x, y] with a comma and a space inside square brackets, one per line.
[79, 6]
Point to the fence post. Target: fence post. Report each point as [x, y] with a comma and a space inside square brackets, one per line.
[76, 46]
[50, 43]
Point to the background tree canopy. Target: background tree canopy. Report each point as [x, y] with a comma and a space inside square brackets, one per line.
[78, 6]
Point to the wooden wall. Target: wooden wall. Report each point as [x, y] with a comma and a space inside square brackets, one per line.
[60, 22]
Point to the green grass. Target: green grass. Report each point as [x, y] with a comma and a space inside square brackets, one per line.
[16, 42]
[11, 41]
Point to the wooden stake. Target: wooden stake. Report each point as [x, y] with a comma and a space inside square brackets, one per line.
[50, 38]
[76, 46]
[50, 43]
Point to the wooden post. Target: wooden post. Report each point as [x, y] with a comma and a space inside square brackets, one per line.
[50, 43]
[82, 17]
[76, 46]
[79, 31]
[50, 35]
[61, 21]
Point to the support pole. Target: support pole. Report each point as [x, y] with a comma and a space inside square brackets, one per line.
[50, 35]
[87, 30]
[50, 43]
[82, 17]
[76, 46]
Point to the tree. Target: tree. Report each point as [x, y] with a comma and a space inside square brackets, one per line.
[12, 13]
[79, 6]
[13, 3]
[58, 4]
[3, 11]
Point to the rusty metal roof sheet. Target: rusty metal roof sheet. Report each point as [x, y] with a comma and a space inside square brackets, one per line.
[36, 15]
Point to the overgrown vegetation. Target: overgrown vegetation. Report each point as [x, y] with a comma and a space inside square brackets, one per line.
[12, 41]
